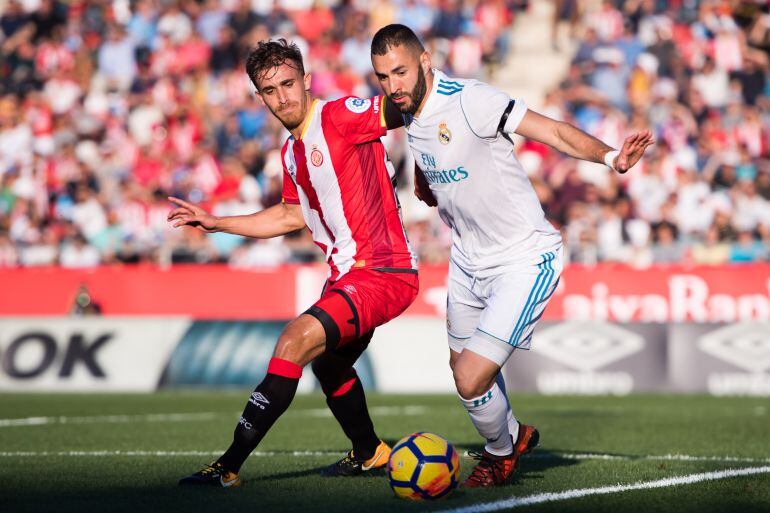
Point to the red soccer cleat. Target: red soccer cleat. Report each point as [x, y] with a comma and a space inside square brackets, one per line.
[494, 470]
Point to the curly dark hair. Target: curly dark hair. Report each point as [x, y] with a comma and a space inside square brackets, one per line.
[271, 54]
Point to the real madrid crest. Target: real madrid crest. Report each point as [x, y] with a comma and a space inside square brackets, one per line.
[316, 157]
[444, 135]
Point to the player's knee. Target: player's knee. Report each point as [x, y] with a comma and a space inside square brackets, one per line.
[290, 347]
[467, 383]
[297, 347]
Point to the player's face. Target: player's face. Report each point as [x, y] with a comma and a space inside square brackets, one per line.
[284, 91]
[401, 73]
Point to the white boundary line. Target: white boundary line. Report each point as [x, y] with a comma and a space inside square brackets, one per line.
[380, 411]
[645, 457]
[109, 419]
[541, 498]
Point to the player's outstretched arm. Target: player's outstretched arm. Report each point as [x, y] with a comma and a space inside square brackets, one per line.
[274, 221]
[578, 144]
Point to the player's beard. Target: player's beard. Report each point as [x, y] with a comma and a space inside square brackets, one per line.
[292, 114]
[415, 96]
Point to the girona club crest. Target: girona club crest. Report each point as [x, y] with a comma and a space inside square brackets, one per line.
[316, 157]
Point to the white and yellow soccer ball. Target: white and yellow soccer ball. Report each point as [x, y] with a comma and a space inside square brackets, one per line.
[423, 466]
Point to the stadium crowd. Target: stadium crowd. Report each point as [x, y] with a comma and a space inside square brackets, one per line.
[108, 107]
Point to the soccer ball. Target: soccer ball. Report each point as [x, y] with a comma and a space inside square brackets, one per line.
[423, 466]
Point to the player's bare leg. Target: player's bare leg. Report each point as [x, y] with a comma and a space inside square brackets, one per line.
[476, 378]
[301, 341]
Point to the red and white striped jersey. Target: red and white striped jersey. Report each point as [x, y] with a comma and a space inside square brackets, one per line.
[339, 173]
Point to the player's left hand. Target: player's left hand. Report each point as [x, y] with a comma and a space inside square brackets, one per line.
[632, 150]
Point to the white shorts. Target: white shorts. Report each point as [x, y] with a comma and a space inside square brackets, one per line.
[494, 315]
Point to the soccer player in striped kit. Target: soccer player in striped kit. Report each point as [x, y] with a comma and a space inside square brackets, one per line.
[338, 182]
[506, 258]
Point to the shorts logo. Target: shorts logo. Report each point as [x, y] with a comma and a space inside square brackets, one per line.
[357, 105]
[350, 289]
[316, 157]
[245, 423]
[444, 135]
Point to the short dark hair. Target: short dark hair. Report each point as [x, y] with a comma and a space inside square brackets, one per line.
[271, 54]
[395, 35]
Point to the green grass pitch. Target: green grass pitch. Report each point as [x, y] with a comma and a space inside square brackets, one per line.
[124, 453]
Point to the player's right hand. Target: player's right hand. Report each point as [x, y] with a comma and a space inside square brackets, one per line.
[188, 214]
[422, 189]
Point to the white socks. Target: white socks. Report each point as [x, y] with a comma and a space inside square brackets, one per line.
[490, 414]
[513, 424]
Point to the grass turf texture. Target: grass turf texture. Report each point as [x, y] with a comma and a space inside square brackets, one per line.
[630, 427]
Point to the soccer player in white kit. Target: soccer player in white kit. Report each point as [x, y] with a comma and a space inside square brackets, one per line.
[506, 258]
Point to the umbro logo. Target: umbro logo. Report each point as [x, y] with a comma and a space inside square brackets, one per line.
[350, 289]
[257, 398]
[587, 346]
[745, 345]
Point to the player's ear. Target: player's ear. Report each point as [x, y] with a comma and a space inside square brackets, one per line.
[425, 63]
[260, 100]
[308, 79]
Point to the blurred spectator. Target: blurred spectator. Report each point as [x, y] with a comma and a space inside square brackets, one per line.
[666, 250]
[711, 251]
[108, 108]
[259, 253]
[77, 253]
[747, 249]
[9, 257]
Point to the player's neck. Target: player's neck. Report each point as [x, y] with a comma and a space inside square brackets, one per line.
[299, 130]
[428, 91]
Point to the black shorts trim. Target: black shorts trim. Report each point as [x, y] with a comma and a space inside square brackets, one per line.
[356, 320]
[330, 327]
[397, 270]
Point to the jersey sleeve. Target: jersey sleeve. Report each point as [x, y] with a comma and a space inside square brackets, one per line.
[484, 105]
[359, 120]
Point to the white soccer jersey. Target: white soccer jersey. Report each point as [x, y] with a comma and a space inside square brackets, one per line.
[483, 193]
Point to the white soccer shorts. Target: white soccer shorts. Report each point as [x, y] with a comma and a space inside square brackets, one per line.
[494, 315]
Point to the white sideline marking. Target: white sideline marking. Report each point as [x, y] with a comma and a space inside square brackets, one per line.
[108, 419]
[382, 411]
[541, 498]
[663, 457]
